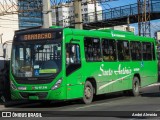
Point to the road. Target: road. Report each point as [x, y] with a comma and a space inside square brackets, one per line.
[115, 105]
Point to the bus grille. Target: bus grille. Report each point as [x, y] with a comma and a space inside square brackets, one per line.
[41, 95]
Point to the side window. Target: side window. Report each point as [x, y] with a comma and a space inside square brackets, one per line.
[147, 51]
[92, 49]
[123, 50]
[72, 54]
[73, 58]
[153, 51]
[109, 50]
[135, 48]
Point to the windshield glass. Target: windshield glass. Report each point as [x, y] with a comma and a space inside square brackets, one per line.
[36, 59]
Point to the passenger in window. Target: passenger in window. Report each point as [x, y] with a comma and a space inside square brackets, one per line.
[68, 58]
[105, 54]
[127, 56]
[111, 56]
[95, 56]
[138, 57]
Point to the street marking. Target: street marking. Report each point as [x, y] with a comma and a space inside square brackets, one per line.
[156, 84]
[94, 105]
[158, 110]
[100, 104]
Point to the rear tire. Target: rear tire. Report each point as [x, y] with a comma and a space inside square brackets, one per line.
[135, 86]
[88, 93]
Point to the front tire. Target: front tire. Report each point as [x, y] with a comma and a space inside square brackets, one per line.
[135, 86]
[88, 93]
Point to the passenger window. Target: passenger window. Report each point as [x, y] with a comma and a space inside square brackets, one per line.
[72, 54]
[92, 49]
[147, 51]
[135, 48]
[73, 58]
[109, 50]
[123, 50]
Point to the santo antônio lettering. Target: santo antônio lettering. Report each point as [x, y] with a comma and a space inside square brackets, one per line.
[38, 36]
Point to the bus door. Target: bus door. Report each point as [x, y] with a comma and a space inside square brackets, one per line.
[73, 71]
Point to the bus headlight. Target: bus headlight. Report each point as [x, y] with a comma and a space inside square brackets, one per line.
[12, 85]
[57, 85]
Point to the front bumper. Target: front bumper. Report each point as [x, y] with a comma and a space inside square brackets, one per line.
[58, 94]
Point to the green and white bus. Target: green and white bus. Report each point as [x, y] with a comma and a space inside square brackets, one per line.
[64, 63]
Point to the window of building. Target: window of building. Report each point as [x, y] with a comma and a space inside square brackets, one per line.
[92, 49]
[85, 9]
[109, 50]
[135, 48]
[123, 50]
[147, 51]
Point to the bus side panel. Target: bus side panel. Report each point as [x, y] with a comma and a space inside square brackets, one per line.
[107, 78]
[149, 73]
[124, 76]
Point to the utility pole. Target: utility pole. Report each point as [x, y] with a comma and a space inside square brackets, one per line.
[47, 18]
[57, 15]
[95, 10]
[139, 2]
[78, 14]
[144, 17]
[128, 22]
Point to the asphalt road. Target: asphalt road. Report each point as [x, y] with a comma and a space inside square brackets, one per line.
[115, 105]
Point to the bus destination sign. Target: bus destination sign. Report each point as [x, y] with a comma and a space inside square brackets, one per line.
[37, 36]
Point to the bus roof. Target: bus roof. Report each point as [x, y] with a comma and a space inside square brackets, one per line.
[110, 34]
[116, 31]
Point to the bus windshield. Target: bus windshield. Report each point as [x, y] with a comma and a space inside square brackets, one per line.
[36, 58]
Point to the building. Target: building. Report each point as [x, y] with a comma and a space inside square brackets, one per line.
[123, 28]
[157, 35]
[64, 16]
[8, 23]
[30, 14]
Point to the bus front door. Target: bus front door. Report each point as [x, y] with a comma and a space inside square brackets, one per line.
[73, 71]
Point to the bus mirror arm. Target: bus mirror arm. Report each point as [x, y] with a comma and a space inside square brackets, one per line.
[4, 53]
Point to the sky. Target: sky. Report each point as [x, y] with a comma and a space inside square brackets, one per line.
[155, 24]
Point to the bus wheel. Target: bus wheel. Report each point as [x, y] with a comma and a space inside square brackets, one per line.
[88, 93]
[135, 86]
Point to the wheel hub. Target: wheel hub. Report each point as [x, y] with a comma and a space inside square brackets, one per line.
[135, 86]
[88, 92]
